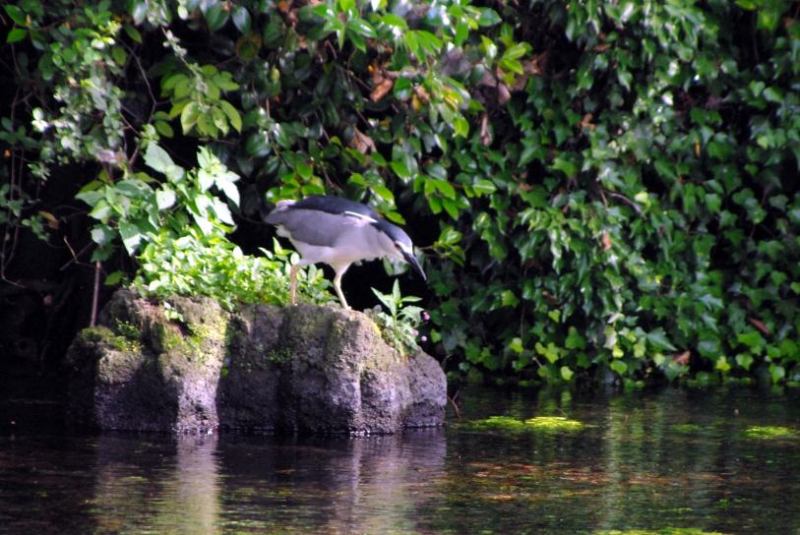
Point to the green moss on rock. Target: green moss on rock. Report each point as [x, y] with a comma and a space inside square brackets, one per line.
[127, 330]
[313, 368]
[166, 337]
[103, 335]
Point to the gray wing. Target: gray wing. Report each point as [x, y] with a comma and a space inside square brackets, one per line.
[315, 227]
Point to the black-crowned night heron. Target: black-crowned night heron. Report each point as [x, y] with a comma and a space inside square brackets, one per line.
[339, 232]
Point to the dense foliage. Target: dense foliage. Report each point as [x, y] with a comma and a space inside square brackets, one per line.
[614, 184]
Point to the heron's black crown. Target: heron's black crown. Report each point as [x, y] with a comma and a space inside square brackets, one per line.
[393, 231]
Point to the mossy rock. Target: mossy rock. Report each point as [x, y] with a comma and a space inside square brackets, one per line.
[188, 365]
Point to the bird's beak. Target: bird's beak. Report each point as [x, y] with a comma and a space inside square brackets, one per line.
[411, 259]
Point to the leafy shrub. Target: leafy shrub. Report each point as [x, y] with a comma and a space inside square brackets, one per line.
[400, 326]
[611, 186]
[644, 218]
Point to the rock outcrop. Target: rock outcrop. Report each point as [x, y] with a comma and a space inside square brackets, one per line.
[190, 366]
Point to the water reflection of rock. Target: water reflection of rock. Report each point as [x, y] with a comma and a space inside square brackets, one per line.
[367, 485]
[171, 486]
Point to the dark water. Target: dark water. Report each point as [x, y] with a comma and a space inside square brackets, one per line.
[650, 462]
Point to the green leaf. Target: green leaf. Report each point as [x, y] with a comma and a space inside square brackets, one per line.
[16, 14]
[566, 373]
[216, 16]
[460, 126]
[512, 65]
[383, 192]
[157, 159]
[752, 339]
[222, 211]
[422, 43]
[114, 278]
[516, 345]
[444, 187]
[462, 32]
[390, 19]
[768, 17]
[230, 190]
[508, 299]
[400, 169]
[131, 236]
[745, 360]
[777, 373]
[488, 17]
[16, 35]
[304, 170]
[402, 88]
[119, 55]
[165, 198]
[484, 187]
[619, 366]
[102, 235]
[774, 94]
[133, 33]
[241, 19]
[190, 116]
[362, 27]
[575, 340]
[164, 128]
[516, 51]
[233, 115]
[713, 202]
[411, 40]
[658, 340]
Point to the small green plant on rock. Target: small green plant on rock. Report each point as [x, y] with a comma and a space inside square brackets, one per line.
[400, 326]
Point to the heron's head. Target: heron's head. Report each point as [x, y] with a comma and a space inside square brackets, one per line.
[401, 246]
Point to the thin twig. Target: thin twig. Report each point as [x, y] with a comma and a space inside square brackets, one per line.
[626, 200]
[153, 101]
[452, 401]
[75, 256]
[95, 294]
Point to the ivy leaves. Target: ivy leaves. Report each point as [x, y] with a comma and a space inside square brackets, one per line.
[196, 99]
[607, 187]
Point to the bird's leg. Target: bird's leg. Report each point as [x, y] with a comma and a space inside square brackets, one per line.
[337, 284]
[293, 283]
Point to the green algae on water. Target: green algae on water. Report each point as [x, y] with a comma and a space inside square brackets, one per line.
[768, 432]
[539, 424]
[497, 423]
[687, 429]
[664, 531]
[554, 424]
